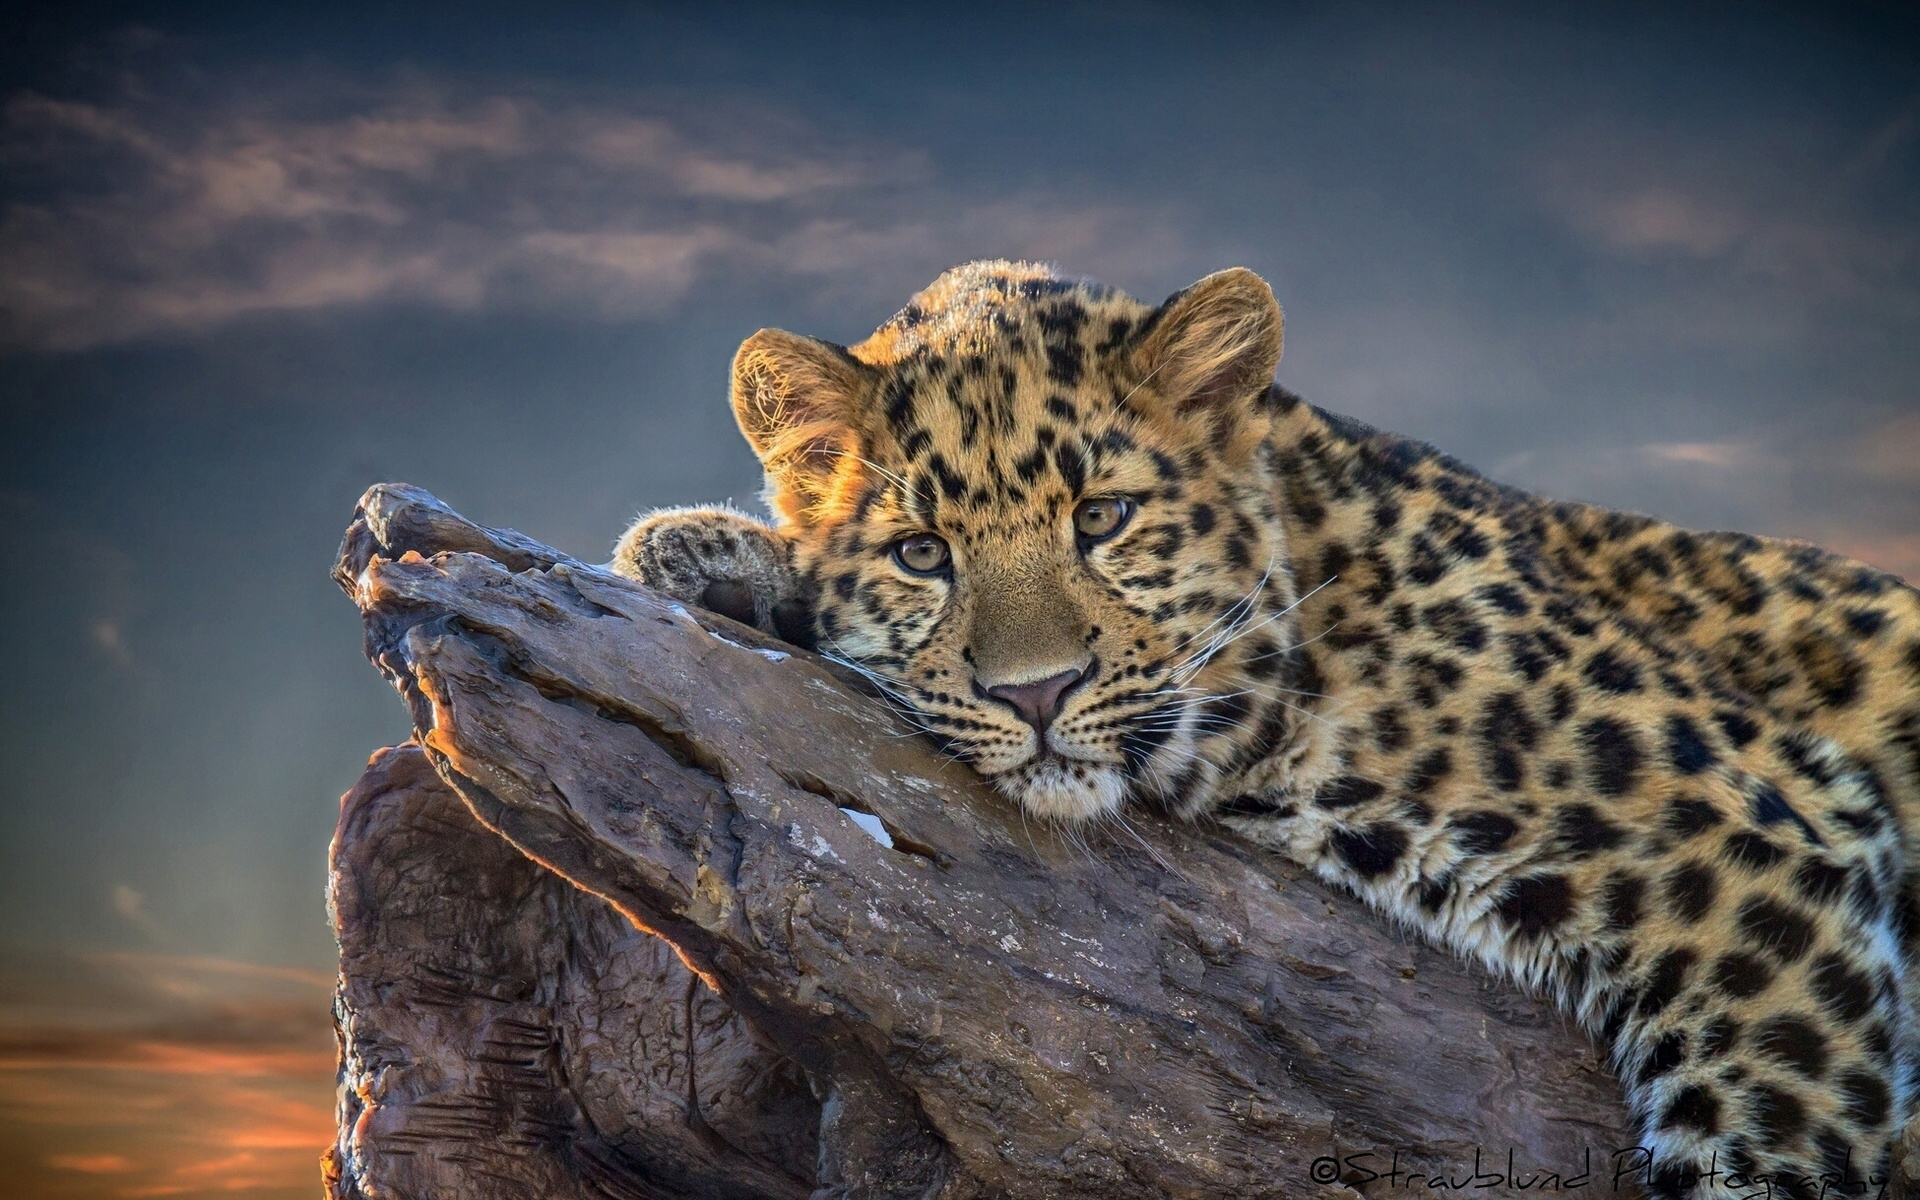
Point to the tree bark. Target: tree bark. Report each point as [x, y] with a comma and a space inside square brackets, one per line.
[507, 1034]
[984, 1008]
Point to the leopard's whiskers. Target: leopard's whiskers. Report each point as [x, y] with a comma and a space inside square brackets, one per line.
[1227, 637]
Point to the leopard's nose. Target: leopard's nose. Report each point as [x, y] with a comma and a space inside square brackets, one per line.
[1038, 703]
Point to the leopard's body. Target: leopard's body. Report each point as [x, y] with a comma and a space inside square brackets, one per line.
[1671, 778]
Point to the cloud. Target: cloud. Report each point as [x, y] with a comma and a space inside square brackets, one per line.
[1896, 552]
[175, 974]
[92, 1164]
[1765, 243]
[1889, 452]
[105, 593]
[1654, 219]
[1762, 279]
[127, 1075]
[1706, 454]
[1815, 253]
[145, 217]
[128, 903]
[1852, 489]
[1792, 208]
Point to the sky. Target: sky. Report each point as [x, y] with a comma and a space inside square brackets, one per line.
[252, 260]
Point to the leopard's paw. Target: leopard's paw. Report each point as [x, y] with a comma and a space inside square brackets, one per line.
[719, 559]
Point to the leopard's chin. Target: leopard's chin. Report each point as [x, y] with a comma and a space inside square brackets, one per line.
[1064, 789]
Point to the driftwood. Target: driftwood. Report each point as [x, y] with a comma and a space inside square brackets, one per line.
[982, 1008]
[506, 1027]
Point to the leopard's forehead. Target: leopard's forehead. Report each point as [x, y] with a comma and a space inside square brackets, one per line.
[989, 307]
[1004, 385]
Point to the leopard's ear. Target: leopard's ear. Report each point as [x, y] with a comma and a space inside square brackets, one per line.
[1217, 341]
[796, 398]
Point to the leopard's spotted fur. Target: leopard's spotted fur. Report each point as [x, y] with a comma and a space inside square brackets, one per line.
[1671, 777]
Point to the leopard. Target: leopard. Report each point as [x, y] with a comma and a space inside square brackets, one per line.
[1668, 778]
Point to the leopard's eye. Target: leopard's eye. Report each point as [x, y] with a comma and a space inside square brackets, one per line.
[922, 554]
[1098, 519]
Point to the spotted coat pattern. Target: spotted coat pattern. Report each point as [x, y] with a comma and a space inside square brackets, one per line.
[1670, 778]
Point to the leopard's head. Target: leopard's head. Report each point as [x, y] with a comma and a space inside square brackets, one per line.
[1041, 516]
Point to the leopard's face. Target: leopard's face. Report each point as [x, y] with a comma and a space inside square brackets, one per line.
[1074, 580]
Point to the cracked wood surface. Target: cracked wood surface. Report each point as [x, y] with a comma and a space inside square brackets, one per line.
[984, 1009]
[504, 1033]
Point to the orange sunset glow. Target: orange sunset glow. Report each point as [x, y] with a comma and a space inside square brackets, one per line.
[159, 1076]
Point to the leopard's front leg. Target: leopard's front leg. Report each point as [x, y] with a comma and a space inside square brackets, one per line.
[722, 560]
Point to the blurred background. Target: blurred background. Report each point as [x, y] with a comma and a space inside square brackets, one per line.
[254, 259]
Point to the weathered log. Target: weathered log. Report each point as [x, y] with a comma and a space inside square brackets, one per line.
[984, 1007]
[504, 1033]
